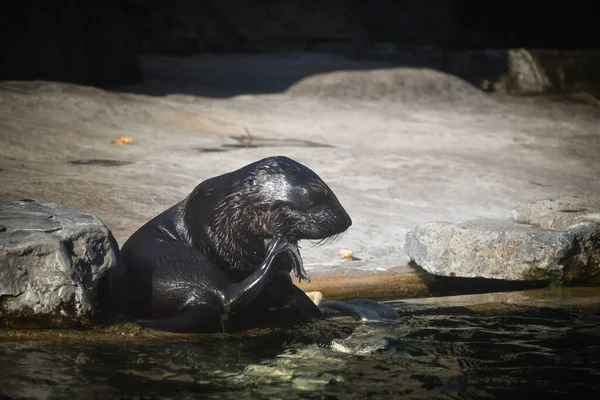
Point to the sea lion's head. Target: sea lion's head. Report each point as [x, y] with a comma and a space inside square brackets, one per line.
[233, 215]
[292, 201]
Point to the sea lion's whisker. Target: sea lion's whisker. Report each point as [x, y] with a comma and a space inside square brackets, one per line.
[325, 241]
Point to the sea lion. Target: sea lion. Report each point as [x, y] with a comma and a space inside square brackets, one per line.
[203, 266]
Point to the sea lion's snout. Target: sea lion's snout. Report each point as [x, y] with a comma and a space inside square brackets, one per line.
[331, 221]
[327, 217]
[347, 220]
[316, 224]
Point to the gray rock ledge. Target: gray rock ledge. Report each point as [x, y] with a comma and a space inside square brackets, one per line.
[51, 259]
[556, 240]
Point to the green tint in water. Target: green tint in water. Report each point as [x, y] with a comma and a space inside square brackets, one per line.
[430, 352]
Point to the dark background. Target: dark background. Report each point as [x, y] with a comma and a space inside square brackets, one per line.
[99, 43]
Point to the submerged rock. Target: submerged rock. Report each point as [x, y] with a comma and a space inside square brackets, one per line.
[556, 240]
[51, 260]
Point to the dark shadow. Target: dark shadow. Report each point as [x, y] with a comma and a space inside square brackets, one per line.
[228, 75]
[226, 48]
[452, 286]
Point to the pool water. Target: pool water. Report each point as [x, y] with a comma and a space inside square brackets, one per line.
[430, 352]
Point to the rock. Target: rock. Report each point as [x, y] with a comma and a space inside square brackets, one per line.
[397, 84]
[484, 248]
[51, 260]
[558, 214]
[539, 71]
[526, 74]
[367, 339]
[502, 249]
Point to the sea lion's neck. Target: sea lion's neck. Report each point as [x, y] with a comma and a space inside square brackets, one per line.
[220, 226]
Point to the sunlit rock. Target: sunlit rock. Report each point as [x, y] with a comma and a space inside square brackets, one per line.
[51, 260]
[556, 240]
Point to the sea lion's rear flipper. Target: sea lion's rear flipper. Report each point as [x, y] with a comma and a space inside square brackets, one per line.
[363, 309]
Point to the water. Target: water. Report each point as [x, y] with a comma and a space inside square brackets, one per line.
[431, 352]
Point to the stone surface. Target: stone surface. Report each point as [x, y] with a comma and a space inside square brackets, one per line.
[560, 213]
[51, 260]
[391, 84]
[526, 74]
[393, 162]
[502, 249]
[538, 71]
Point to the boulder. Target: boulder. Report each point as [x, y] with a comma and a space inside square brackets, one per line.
[556, 240]
[558, 214]
[51, 260]
[526, 74]
[540, 71]
[397, 84]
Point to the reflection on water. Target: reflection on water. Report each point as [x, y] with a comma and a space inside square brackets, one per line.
[453, 353]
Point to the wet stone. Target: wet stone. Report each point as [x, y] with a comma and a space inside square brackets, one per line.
[51, 260]
[557, 240]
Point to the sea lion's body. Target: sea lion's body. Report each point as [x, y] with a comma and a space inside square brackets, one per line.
[202, 265]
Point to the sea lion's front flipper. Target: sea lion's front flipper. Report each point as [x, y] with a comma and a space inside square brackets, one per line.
[239, 294]
[297, 264]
